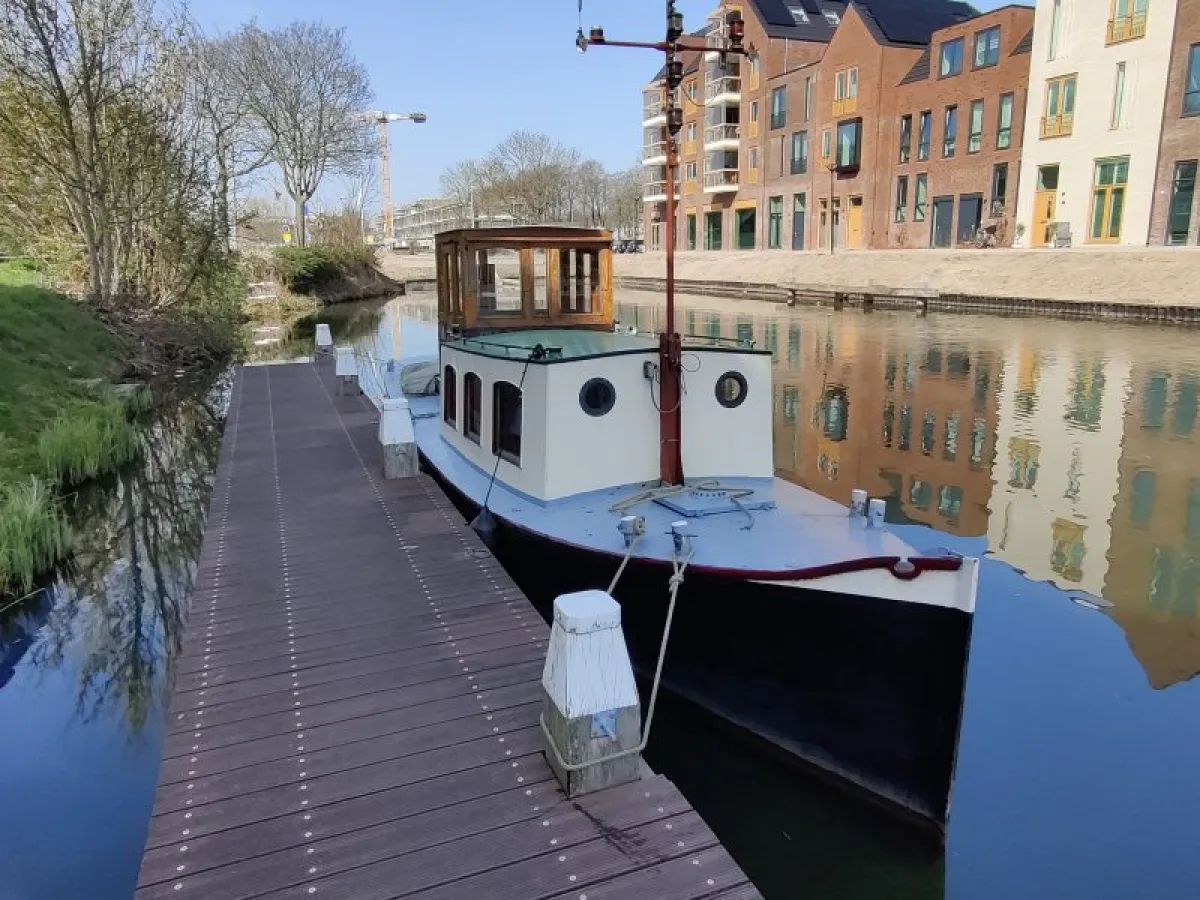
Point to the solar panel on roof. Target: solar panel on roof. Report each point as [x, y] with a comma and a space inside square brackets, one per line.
[909, 22]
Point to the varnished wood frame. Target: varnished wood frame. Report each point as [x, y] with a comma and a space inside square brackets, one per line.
[458, 281]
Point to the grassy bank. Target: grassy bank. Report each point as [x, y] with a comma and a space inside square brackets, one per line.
[332, 274]
[60, 422]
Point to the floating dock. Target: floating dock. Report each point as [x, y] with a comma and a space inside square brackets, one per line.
[355, 710]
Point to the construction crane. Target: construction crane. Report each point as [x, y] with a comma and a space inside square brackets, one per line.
[381, 120]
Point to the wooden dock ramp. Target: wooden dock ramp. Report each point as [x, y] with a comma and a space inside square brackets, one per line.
[356, 704]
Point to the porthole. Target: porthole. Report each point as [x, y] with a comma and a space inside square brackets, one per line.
[597, 396]
[731, 389]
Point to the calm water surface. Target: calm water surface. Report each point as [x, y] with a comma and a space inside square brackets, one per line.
[1065, 451]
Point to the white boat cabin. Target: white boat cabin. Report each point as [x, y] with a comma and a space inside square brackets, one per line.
[561, 410]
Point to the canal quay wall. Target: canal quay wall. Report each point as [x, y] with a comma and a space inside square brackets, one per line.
[356, 703]
[1159, 285]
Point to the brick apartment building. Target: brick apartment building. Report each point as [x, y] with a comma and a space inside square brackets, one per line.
[1175, 217]
[799, 147]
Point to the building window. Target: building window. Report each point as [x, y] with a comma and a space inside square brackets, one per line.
[506, 422]
[1108, 198]
[691, 132]
[1056, 17]
[925, 135]
[987, 48]
[472, 406]
[799, 163]
[747, 225]
[775, 223]
[1004, 122]
[690, 171]
[849, 142]
[905, 138]
[975, 127]
[691, 90]
[450, 396]
[1058, 119]
[1183, 189]
[752, 160]
[920, 197]
[826, 144]
[1127, 20]
[808, 92]
[999, 188]
[950, 132]
[691, 231]
[712, 230]
[1118, 102]
[778, 107]
[1191, 90]
[901, 197]
[951, 58]
[754, 111]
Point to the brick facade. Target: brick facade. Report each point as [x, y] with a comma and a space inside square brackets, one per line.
[967, 175]
[1180, 141]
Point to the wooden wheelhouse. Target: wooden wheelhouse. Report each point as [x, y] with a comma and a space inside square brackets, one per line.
[494, 279]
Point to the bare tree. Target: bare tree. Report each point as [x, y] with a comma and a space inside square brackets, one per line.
[625, 200]
[308, 95]
[100, 146]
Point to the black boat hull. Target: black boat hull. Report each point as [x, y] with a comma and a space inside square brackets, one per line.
[866, 690]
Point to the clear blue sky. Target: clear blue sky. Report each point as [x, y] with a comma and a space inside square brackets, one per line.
[482, 69]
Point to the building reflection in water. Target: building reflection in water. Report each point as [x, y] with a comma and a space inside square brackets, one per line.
[1057, 440]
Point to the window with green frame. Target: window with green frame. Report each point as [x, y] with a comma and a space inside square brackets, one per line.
[712, 230]
[775, 223]
[747, 224]
[691, 231]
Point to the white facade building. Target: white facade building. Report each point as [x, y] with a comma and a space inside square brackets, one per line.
[1097, 82]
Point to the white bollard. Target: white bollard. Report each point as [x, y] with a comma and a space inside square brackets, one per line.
[858, 503]
[346, 370]
[590, 705]
[324, 339]
[399, 440]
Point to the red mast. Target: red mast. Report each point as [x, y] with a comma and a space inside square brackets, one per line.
[670, 345]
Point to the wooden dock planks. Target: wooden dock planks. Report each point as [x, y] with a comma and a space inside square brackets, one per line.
[356, 703]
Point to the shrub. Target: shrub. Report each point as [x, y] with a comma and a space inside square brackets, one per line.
[33, 532]
[88, 442]
[304, 270]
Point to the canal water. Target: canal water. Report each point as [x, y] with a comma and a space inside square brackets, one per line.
[1064, 451]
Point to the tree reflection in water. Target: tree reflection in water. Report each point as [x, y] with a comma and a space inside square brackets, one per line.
[119, 605]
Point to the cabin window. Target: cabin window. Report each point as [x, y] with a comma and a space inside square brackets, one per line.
[731, 390]
[579, 280]
[506, 422]
[498, 274]
[472, 406]
[450, 396]
[597, 397]
[540, 301]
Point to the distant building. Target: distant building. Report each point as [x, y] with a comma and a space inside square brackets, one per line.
[416, 224]
[1175, 217]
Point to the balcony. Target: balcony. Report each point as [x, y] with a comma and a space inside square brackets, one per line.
[653, 110]
[720, 180]
[656, 191]
[1126, 28]
[726, 89]
[845, 106]
[1058, 126]
[726, 135]
[654, 154]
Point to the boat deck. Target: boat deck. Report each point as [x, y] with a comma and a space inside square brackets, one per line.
[356, 702]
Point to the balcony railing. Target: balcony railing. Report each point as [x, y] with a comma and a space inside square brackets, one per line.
[657, 190]
[729, 85]
[1126, 28]
[728, 132]
[845, 106]
[1058, 126]
[652, 108]
[652, 151]
[721, 180]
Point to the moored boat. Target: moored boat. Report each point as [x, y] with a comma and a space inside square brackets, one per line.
[807, 625]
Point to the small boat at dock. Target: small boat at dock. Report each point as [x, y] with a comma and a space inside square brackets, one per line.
[598, 451]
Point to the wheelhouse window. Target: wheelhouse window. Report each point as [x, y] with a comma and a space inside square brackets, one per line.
[579, 278]
[472, 406]
[506, 422]
[450, 396]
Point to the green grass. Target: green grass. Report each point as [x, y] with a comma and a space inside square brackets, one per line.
[19, 273]
[59, 421]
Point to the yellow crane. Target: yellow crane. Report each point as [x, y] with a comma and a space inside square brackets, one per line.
[381, 120]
